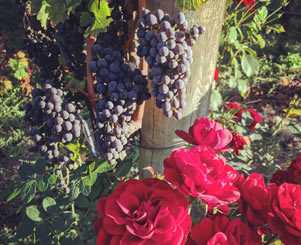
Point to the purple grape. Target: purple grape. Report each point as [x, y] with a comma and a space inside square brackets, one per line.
[180, 18]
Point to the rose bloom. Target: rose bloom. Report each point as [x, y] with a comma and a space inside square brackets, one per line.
[285, 215]
[143, 212]
[294, 171]
[216, 74]
[238, 143]
[220, 230]
[254, 199]
[249, 3]
[207, 132]
[280, 177]
[199, 172]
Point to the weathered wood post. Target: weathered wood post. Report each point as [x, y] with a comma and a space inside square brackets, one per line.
[158, 139]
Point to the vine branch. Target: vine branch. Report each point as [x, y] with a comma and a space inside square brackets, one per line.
[90, 40]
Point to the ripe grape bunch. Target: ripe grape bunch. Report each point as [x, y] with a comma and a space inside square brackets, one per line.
[120, 87]
[53, 121]
[165, 44]
[117, 32]
[42, 48]
[70, 40]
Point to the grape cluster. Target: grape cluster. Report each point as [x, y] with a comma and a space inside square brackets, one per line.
[42, 49]
[121, 87]
[117, 32]
[165, 44]
[70, 40]
[53, 120]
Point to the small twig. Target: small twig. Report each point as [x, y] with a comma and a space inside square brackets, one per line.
[75, 87]
[253, 101]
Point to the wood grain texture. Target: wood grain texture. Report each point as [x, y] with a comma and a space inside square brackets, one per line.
[157, 132]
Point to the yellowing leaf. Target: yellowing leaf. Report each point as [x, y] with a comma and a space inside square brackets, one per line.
[293, 112]
[190, 4]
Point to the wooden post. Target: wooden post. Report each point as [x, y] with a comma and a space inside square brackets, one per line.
[158, 139]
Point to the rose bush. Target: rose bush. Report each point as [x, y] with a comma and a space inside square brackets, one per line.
[199, 172]
[239, 111]
[285, 215]
[207, 132]
[143, 212]
[220, 230]
[254, 199]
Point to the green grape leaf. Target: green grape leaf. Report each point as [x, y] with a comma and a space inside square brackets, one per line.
[90, 180]
[250, 65]
[86, 19]
[33, 213]
[59, 10]
[105, 167]
[123, 168]
[101, 11]
[190, 4]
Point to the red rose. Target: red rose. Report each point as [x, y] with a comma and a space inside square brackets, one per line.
[220, 230]
[294, 171]
[238, 143]
[216, 74]
[279, 177]
[285, 215]
[201, 173]
[207, 132]
[143, 212]
[254, 199]
[249, 3]
[256, 118]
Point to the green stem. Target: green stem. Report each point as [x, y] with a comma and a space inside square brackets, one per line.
[72, 209]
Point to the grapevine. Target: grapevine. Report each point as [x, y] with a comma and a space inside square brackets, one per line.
[114, 83]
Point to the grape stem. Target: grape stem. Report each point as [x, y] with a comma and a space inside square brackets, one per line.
[75, 87]
[90, 40]
[138, 114]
